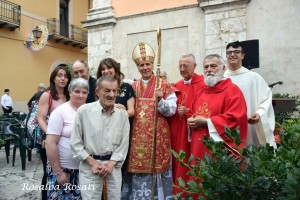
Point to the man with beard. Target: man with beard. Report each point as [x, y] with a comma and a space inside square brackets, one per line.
[258, 96]
[219, 104]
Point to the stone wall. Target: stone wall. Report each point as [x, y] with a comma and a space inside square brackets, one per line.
[100, 24]
[277, 26]
[180, 35]
[202, 29]
[225, 21]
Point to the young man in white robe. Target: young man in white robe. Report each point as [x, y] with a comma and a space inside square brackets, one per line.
[258, 96]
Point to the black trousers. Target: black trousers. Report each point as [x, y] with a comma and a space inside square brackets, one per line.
[43, 155]
[9, 110]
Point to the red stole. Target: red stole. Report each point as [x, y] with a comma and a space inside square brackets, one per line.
[142, 138]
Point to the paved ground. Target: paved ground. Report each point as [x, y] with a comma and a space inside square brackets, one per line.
[16, 184]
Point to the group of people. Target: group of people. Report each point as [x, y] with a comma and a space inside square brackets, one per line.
[235, 97]
[108, 138]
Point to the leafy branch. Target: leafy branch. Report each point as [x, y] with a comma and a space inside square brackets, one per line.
[262, 173]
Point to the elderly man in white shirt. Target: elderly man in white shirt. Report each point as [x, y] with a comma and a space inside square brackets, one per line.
[6, 102]
[100, 141]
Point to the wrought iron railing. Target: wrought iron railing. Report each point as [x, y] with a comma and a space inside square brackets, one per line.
[10, 13]
[68, 31]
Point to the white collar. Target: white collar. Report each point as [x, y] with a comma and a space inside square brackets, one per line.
[145, 81]
[188, 82]
[241, 70]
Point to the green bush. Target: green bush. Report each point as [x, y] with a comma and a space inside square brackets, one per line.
[262, 172]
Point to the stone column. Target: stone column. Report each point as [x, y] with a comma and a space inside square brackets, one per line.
[225, 21]
[100, 23]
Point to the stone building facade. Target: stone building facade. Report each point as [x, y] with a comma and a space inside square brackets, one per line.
[201, 27]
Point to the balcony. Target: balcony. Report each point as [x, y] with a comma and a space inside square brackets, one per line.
[68, 34]
[10, 15]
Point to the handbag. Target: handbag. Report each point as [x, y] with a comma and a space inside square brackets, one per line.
[31, 122]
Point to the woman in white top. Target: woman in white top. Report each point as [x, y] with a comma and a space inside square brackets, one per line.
[62, 170]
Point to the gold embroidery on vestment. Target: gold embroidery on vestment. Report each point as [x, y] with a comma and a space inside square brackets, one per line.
[142, 114]
[203, 110]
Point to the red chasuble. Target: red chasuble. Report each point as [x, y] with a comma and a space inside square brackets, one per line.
[224, 104]
[178, 125]
[142, 137]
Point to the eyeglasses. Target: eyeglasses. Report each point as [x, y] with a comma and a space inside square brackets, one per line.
[235, 52]
[184, 66]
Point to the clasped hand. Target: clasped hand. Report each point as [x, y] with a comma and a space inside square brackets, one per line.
[197, 122]
[182, 110]
[103, 169]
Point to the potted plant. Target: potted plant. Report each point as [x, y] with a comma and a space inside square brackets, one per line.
[284, 105]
